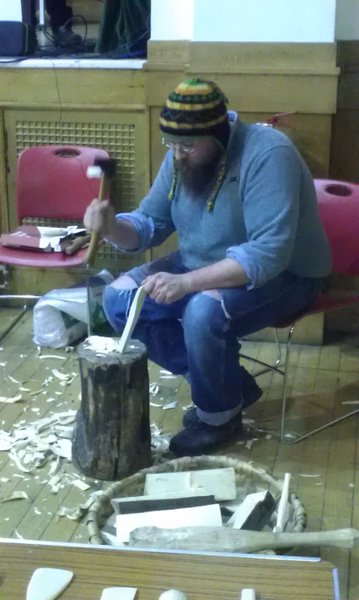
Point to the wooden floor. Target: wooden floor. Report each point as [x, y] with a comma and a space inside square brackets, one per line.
[46, 504]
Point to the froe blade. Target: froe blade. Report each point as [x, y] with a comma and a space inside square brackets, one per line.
[132, 318]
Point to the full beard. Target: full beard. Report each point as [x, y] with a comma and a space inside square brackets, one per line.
[197, 178]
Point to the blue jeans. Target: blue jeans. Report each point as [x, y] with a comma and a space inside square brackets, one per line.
[199, 333]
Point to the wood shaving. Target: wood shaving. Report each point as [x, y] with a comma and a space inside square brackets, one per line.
[74, 514]
[170, 405]
[14, 380]
[11, 399]
[13, 456]
[64, 431]
[55, 465]
[36, 392]
[82, 485]
[18, 535]
[62, 448]
[159, 442]
[61, 376]
[5, 441]
[154, 388]
[20, 495]
[249, 444]
[52, 356]
[55, 484]
[34, 444]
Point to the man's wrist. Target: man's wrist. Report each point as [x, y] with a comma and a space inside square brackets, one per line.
[188, 282]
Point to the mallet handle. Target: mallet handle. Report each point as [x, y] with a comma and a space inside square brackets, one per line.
[90, 255]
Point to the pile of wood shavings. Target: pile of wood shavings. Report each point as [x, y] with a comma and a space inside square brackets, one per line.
[34, 444]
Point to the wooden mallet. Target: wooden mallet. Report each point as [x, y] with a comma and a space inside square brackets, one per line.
[103, 169]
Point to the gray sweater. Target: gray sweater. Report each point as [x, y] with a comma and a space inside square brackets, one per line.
[265, 216]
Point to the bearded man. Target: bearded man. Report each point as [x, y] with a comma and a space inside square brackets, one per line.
[252, 252]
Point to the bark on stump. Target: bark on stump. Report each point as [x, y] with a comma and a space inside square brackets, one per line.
[112, 437]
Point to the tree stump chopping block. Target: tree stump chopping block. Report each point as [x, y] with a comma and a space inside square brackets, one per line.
[112, 437]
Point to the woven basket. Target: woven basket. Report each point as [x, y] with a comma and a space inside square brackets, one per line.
[247, 475]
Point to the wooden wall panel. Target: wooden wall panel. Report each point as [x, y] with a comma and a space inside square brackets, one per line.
[259, 80]
[56, 88]
[90, 10]
[345, 136]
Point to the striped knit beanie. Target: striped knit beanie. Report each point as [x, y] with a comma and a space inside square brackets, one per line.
[196, 108]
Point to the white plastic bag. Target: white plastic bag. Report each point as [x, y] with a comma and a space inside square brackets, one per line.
[61, 316]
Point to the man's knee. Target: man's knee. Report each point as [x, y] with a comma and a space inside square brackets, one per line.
[204, 313]
[124, 282]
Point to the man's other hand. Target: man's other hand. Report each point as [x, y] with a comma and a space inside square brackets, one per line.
[166, 287]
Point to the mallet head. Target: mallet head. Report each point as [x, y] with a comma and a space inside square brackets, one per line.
[93, 172]
[107, 166]
[101, 166]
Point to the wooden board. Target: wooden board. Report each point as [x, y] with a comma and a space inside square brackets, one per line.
[199, 576]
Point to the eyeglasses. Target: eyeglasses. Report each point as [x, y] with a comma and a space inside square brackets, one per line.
[182, 147]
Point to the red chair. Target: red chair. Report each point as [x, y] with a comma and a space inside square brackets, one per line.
[52, 189]
[339, 210]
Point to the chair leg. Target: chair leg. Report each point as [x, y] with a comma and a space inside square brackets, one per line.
[279, 349]
[286, 437]
[23, 310]
[292, 438]
[268, 367]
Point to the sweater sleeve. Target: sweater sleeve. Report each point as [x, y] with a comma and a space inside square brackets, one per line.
[152, 221]
[271, 211]
[157, 206]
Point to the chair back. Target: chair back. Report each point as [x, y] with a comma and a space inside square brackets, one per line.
[51, 181]
[339, 210]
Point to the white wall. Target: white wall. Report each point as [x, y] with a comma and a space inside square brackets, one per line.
[264, 20]
[10, 10]
[347, 21]
[245, 20]
[172, 19]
